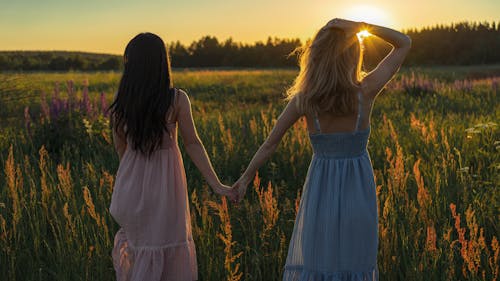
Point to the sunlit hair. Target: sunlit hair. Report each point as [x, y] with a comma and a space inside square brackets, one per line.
[330, 73]
[145, 93]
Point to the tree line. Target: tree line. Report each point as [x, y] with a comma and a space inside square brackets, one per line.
[57, 61]
[463, 43]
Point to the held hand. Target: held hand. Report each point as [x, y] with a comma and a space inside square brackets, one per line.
[241, 187]
[227, 191]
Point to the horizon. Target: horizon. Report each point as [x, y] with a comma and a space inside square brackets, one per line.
[187, 44]
[105, 27]
[224, 39]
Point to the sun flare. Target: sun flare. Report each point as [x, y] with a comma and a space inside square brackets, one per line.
[366, 13]
[363, 34]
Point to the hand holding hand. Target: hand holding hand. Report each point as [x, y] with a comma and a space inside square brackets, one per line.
[241, 187]
[227, 191]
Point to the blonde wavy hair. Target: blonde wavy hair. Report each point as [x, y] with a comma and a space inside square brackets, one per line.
[330, 73]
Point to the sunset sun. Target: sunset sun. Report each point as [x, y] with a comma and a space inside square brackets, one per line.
[367, 13]
[363, 34]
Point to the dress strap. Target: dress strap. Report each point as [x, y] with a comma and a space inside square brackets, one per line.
[317, 126]
[360, 107]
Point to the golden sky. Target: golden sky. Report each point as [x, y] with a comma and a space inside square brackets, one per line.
[107, 25]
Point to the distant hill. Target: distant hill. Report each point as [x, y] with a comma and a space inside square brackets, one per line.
[57, 61]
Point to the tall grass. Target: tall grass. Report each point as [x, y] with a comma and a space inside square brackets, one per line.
[434, 146]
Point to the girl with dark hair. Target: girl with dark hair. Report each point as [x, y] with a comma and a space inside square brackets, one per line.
[149, 200]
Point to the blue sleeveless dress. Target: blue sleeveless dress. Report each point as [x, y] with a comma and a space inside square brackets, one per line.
[335, 234]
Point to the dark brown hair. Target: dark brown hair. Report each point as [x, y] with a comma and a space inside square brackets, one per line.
[145, 93]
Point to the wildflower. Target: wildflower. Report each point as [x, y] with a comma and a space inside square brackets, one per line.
[90, 205]
[104, 105]
[230, 263]
[27, 120]
[85, 103]
[431, 238]
[88, 126]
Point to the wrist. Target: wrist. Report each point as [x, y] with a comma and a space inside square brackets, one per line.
[214, 183]
[247, 179]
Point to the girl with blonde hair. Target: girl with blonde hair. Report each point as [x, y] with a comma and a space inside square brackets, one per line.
[335, 233]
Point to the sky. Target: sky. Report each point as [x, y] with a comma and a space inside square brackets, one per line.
[105, 26]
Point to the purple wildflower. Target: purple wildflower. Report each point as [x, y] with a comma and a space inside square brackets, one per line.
[104, 105]
[56, 91]
[494, 84]
[85, 102]
[71, 94]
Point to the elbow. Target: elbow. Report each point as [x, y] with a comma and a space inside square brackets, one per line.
[407, 44]
[192, 145]
[404, 44]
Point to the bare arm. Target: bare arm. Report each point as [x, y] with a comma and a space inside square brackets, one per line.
[375, 81]
[194, 146]
[119, 140]
[287, 118]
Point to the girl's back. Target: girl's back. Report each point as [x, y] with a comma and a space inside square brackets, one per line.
[149, 198]
[333, 123]
[335, 232]
[150, 203]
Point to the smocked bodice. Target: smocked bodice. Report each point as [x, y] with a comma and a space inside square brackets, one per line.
[340, 145]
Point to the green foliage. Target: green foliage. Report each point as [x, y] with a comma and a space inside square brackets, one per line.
[462, 43]
[435, 154]
[57, 61]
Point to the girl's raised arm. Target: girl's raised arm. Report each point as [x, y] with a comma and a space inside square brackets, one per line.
[287, 118]
[375, 81]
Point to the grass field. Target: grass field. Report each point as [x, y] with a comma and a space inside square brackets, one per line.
[435, 148]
